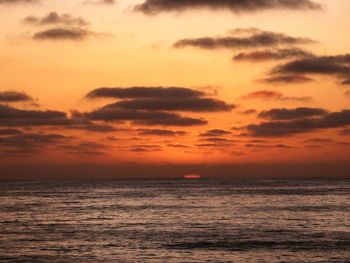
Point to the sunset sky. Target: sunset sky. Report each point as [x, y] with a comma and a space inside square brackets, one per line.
[193, 85]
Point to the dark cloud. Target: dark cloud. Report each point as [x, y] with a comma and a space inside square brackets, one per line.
[160, 132]
[171, 104]
[10, 116]
[338, 66]
[287, 79]
[177, 145]
[92, 127]
[248, 112]
[64, 33]
[237, 6]
[143, 148]
[254, 39]
[14, 96]
[290, 114]
[111, 113]
[274, 95]
[264, 146]
[219, 140]
[54, 18]
[84, 148]
[214, 133]
[264, 55]
[319, 140]
[296, 126]
[28, 143]
[144, 92]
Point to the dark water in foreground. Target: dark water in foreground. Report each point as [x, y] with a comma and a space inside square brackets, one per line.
[175, 221]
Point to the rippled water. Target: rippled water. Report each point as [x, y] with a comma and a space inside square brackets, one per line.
[175, 221]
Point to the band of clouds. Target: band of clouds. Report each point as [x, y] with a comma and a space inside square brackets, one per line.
[241, 39]
[286, 122]
[151, 7]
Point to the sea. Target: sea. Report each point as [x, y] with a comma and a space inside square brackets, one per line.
[179, 220]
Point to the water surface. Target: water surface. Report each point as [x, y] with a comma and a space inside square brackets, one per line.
[175, 221]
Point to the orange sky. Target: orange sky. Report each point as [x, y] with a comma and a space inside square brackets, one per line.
[53, 53]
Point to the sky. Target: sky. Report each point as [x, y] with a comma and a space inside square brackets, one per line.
[162, 88]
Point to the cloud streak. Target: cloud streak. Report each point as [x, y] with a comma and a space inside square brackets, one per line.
[251, 38]
[151, 7]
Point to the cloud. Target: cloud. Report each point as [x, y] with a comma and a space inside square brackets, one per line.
[174, 104]
[265, 55]
[290, 114]
[64, 33]
[264, 146]
[143, 117]
[177, 145]
[248, 112]
[145, 148]
[287, 79]
[92, 127]
[144, 92]
[154, 105]
[292, 126]
[54, 18]
[214, 133]
[347, 93]
[338, 66]
[28, 143]
[84, 148]
[251, 38]
[160, 132]
[151, 7]
[218, 140]
[10, 116]
[274, 95]
[14, 96]
[319, 140]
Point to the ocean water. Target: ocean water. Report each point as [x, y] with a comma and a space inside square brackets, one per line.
[175, 221]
